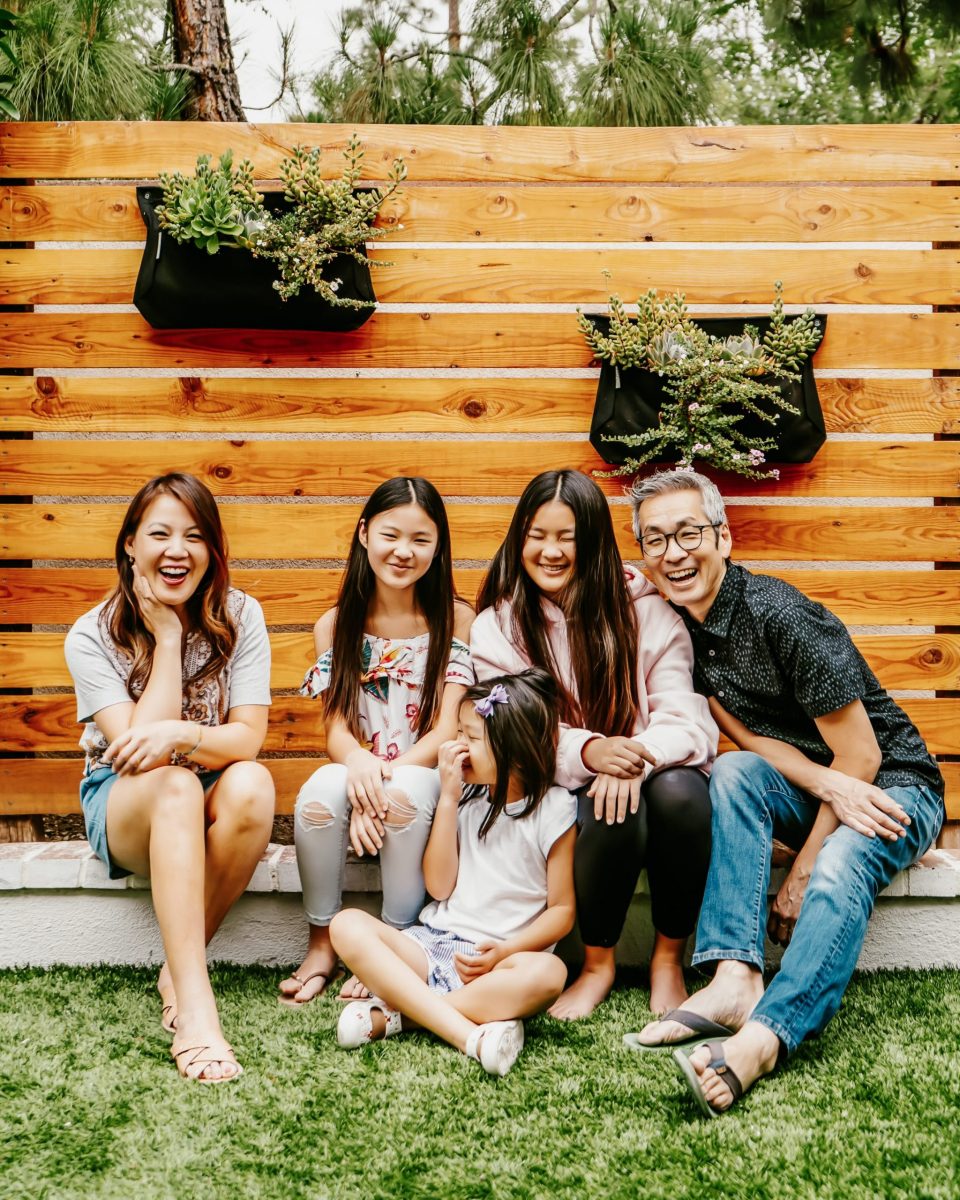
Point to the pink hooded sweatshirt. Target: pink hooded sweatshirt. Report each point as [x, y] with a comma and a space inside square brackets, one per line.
[673, 721]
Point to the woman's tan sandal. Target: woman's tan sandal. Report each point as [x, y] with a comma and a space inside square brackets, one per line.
[328, 977]
[168, 1023]
[193, 1068]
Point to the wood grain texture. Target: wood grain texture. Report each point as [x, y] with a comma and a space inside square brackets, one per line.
[360, 405]
[189, 404]
[297, 596]
[49, 723]
[422, 339]
[907, 661]
[322, 531]
[547, 213]
[550, 276]
[40, 786]
[757, 154]
[488, 468]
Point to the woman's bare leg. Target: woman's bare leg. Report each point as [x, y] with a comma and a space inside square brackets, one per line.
[239, 817]
[156, 827]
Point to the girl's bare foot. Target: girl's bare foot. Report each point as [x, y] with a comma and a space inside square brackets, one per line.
[668, 989]
[750, 1054]
[591, 987]
[728, 999]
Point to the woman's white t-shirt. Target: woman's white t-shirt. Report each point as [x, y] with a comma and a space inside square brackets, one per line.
[501, 883]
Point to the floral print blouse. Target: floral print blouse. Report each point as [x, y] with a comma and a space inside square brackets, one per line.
[391, 680]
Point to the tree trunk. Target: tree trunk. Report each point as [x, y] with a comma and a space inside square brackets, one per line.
[202, 43]
[453, 24]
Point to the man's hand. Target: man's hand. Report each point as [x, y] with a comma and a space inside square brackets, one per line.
[863, 807]
[786, 908]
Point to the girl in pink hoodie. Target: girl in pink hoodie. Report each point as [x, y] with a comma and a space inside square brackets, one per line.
[636, 741]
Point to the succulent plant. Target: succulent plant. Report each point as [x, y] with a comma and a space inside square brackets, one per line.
[711, 382]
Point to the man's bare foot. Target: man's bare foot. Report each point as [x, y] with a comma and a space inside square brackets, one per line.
[589, 990]
[750, 1054]
[353, 989]
[311, 978]
[668, 989]
[168, 999]
[728, 999]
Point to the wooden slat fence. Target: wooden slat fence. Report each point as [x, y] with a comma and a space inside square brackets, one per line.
[475, 375]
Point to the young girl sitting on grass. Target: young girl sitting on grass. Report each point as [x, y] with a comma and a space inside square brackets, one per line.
[499, 863]
[392, 666]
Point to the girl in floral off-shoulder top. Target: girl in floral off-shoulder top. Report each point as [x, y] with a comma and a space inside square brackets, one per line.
[393, 663]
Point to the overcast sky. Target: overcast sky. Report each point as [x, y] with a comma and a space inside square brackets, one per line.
[256, 45]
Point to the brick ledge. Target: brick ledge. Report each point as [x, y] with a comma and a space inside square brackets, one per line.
[65, 866]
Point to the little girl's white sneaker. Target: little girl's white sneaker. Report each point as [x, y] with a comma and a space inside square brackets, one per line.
[355, 1027]
[496, 1046]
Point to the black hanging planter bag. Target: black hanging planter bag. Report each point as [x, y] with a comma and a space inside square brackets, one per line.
[181, 287]
[629, 399]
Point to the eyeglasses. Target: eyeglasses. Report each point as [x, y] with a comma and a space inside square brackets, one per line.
[654, 545]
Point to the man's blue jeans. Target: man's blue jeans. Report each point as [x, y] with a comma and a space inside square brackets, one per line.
[752, 803]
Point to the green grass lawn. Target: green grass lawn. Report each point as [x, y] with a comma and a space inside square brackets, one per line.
[91, 1104]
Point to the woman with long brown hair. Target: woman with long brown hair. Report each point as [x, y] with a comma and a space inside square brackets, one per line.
[172, 677]
[636, 741]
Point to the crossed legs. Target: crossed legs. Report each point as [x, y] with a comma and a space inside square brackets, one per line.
[394, 968]
[199, 853]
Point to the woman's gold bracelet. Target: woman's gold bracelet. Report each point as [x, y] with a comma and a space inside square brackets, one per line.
[196, 746]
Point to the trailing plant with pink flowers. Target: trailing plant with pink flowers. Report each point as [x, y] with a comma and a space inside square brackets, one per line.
[710, 383]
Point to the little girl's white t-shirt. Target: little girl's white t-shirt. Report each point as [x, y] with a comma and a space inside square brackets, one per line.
[501, 883]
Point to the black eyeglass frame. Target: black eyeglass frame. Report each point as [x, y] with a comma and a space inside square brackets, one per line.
[667, 536]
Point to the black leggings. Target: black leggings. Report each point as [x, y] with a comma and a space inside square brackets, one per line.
[669, 834]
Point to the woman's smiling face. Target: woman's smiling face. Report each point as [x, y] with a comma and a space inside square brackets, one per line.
[169, 551]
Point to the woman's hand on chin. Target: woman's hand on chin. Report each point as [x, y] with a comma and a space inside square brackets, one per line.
[160, 619]
[144, 747]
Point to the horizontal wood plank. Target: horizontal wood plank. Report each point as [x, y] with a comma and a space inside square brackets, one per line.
[486, 468]
[546, 213]
[550, 276]
[308, 532]
[296, 596]
[754, 154]
[50, 786]
[49, 723]
[422, 339]
[904, 661]
[51, 404]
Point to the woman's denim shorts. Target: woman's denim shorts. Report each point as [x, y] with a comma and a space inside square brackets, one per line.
[94, 790]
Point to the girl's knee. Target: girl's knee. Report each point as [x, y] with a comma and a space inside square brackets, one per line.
[348, 927]
[412, 792]
[323, 798]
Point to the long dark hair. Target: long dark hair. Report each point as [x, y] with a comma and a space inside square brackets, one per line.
[522, 735]
[206, 608]
[433, 597]
[601, 621]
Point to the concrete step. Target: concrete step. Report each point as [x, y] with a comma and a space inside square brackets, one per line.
[58, 905]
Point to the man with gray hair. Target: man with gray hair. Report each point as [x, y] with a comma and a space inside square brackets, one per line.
[827, 763]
